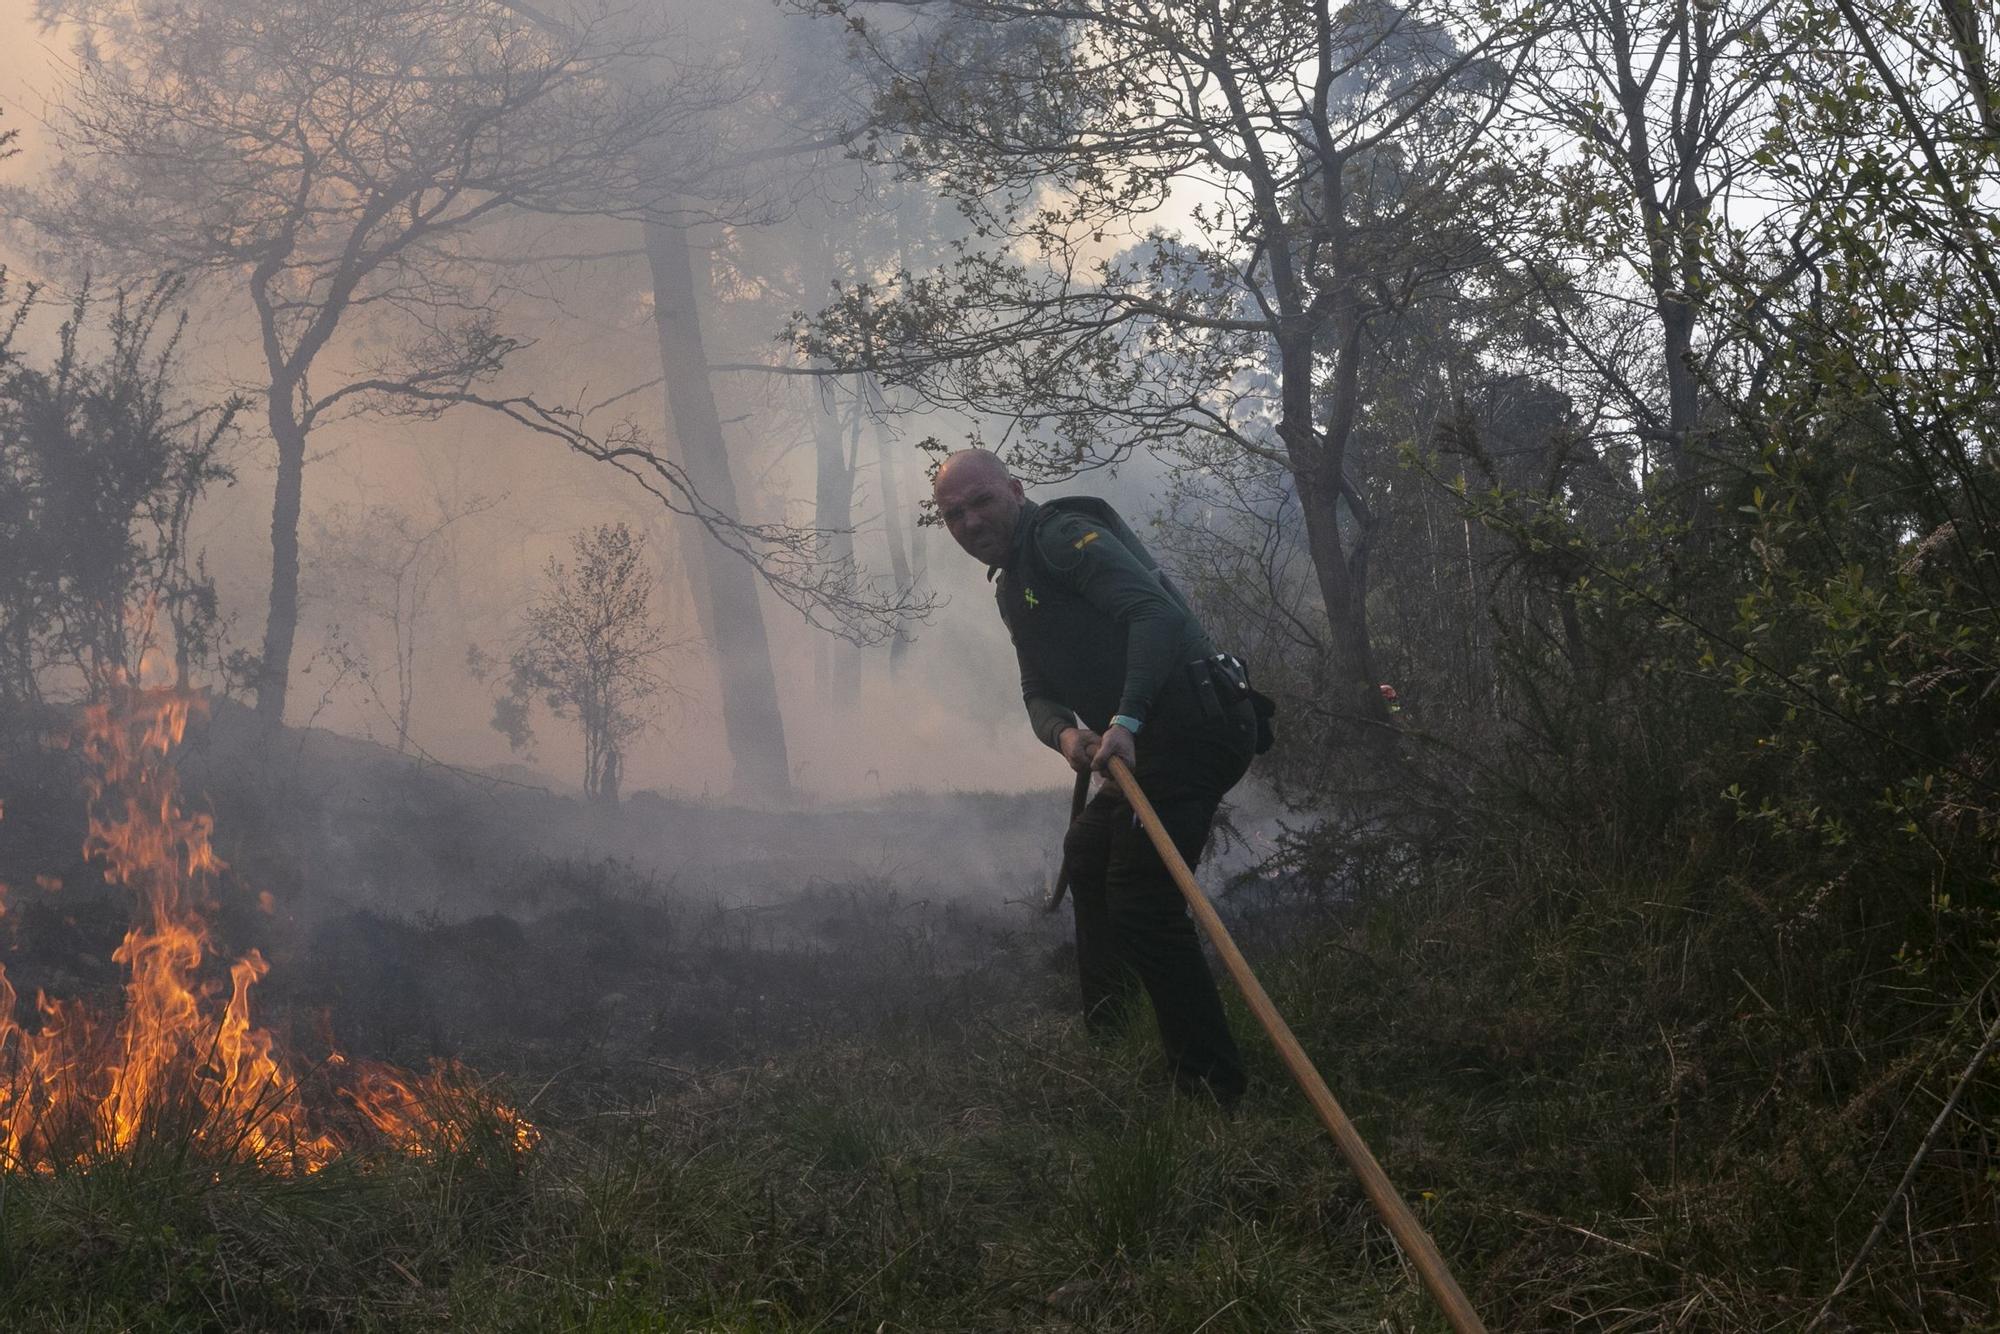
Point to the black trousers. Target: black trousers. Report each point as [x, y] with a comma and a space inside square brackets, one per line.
[1132, 926]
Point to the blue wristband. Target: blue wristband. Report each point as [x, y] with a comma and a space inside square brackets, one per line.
[1127, 721]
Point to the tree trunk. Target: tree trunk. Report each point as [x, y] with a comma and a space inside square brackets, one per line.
[608, 772]
[724, 586]
[1317, 460]
[894, 530]
[1342, 587]
[833, 515]
[1683, 389]
[836, 663]
[281, 624]
[592, 749]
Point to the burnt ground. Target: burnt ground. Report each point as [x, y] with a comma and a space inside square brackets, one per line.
[418, 913]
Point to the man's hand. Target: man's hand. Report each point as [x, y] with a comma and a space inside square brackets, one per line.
[1116, 742]
[1078, 745]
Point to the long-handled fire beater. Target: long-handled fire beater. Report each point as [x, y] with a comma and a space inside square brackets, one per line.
[1402, 1224]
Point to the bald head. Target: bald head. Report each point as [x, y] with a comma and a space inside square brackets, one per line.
[980, 503]
[968, 465]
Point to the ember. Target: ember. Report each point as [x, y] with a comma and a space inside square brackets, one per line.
[179, 1059]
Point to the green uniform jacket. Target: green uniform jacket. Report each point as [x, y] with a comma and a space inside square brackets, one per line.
[1097, 627]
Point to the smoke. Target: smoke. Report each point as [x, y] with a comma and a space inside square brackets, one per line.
[944, 716]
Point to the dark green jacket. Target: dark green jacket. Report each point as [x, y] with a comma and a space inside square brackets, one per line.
[1097, 627]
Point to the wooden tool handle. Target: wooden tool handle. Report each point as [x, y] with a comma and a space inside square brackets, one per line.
[1403, 1224]
[1078, 798]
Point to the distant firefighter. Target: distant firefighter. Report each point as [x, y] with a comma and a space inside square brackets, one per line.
[1114, 663]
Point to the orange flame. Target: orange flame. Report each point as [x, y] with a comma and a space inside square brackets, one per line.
[83, 1084]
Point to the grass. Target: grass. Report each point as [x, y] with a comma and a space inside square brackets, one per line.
[1002, 1180]
[860, 1110]
[981, 1165]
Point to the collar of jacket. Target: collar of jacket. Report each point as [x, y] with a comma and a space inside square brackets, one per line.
[1023, 525]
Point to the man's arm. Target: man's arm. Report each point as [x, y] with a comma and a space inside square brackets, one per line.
[1055, 724]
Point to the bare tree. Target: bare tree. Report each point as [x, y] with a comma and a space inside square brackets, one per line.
[1663, 102]
[777, 150]
[590, 649]
[383, 563]
[1339, 165]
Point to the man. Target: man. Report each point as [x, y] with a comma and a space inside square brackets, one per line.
[1114, 664]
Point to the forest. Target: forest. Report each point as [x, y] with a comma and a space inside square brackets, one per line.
[514, 814]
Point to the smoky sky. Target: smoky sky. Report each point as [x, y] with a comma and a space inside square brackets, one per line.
[949, 717]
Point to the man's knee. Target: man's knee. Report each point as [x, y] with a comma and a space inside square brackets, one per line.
[1134, 856]
[1148, 914]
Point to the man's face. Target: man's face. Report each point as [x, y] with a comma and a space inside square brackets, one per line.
[979, 507]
